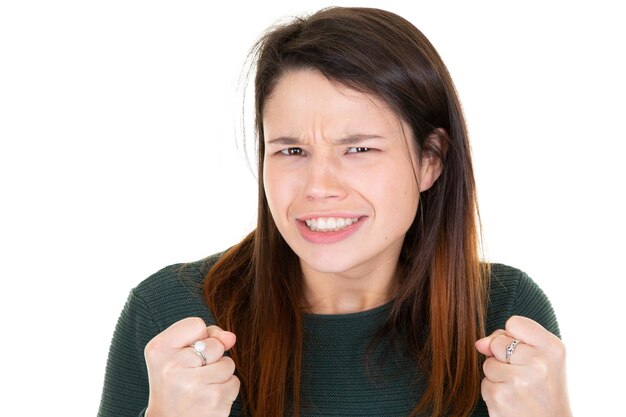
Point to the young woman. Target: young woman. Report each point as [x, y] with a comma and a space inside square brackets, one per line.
[361, 291]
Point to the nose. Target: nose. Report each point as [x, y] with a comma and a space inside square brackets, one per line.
[323, 179]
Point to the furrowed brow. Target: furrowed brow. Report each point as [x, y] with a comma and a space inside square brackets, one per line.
[284, 140]
[348, 140]
[353, 139]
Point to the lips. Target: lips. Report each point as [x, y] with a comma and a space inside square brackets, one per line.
[315, 229]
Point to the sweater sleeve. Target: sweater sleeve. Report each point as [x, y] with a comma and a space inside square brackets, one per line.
[533, 303]
[126, 390]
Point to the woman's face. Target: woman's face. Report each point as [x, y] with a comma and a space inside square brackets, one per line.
[339, 174]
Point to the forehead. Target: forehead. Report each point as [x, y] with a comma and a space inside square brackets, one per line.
[306, 99]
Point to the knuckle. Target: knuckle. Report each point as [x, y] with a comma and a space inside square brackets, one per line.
[498, 342]
[484, 386]
[216, 396]
[236, 382]
[512, 321]
[171, 370]
[187, 386]
[499, 396]
[169, 374]
[230, 364]
[214, 328]
[488, 364]
[214, 350]
[171, 379]
[166, 372]
[229, 360]
[500, 337]
[495, 340]
[195, 323]
[519, 381]
[558, 349]
[188, 382]
[516, 324]
[540, 367]
[151, 350]
[486, 390]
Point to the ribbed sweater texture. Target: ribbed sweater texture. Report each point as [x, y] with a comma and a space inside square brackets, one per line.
[337, 381]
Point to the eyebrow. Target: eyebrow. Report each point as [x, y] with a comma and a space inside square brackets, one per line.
[348, 140]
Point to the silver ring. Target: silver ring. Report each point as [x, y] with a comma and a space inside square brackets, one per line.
[199, 347]
[510, 349]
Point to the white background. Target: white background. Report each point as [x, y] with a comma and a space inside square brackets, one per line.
[119, 156]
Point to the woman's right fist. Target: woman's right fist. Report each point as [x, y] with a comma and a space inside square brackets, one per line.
[179, 384]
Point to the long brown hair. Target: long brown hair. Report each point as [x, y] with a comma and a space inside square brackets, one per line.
[439, 304]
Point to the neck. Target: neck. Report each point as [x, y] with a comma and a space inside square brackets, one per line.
[349, 292]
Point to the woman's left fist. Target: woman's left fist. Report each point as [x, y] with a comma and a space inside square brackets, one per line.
[527, 377]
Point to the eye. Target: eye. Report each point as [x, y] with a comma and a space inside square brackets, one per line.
[358, 149]
[292, 151]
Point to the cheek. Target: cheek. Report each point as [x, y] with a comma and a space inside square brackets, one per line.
[402, 205]
[407, 187]
[277, 192]
[269, 187]
[392, 190]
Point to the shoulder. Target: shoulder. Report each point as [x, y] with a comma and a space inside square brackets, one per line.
[189, 275]
[504, 283]
[175, 292]
[513, 292]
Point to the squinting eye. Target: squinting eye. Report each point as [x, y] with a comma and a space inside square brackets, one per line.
[292, 151]
[358, 149]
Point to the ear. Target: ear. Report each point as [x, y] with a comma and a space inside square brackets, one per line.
[430, 165]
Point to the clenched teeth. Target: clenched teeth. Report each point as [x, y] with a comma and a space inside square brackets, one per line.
[329, 224]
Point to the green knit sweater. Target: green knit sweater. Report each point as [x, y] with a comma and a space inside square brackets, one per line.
[336, 381]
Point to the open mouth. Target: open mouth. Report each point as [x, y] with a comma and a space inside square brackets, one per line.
[330, 224]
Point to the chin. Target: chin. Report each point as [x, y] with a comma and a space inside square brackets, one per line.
[330, 263]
